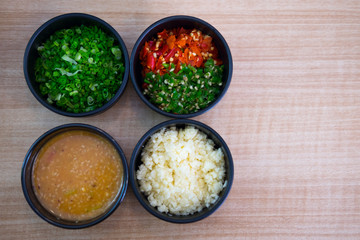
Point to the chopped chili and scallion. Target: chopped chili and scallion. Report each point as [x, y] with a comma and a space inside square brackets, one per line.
[79, 69]
[182, 70]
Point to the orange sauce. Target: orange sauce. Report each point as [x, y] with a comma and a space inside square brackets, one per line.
[77, 175]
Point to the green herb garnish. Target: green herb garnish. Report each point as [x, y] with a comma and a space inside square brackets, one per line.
[79, 69]
[187, 91]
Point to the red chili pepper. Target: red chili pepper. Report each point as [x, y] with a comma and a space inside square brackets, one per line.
[152, 45]
[177, 68]
[218, 61]
[158, 65]
[204, 46]
[151, 61]
[171, 41]
[145, 85]
[164, 48]
[163, 34]
[170, 54]
[198, 61]
[181, 30]
[158, 53]
[182, 46]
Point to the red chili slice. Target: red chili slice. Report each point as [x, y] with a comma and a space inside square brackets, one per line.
[152, 45]
[151, 61]
[171, 41]
[145, 85]
[170, 54]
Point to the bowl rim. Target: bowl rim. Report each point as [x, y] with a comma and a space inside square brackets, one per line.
[87, 127]
[137, 45]
[108, 104]
[138, 149]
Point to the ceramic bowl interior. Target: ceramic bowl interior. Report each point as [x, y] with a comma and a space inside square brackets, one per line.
[136, 162]
[63, 22]
[186, 22]
[26, 178]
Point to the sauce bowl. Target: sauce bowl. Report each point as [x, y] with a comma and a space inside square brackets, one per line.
[27, 177]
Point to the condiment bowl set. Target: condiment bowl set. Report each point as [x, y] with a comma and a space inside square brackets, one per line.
[133, 70]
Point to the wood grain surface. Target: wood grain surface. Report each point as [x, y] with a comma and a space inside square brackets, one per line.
[291, 118]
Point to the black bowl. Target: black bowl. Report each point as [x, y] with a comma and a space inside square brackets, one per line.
[26, 177]
[63, 22]
[186, 22]
[135, 162]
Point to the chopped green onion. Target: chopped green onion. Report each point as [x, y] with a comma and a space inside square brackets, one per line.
[93, 86]
[77, 56]
[73, 93]
[117, 52]
[105, 93]
[90, 100]
[58, 96]
[79, 69]
[67, 58]
[63, 72]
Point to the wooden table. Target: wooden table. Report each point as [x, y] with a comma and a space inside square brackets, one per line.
[291, 118]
